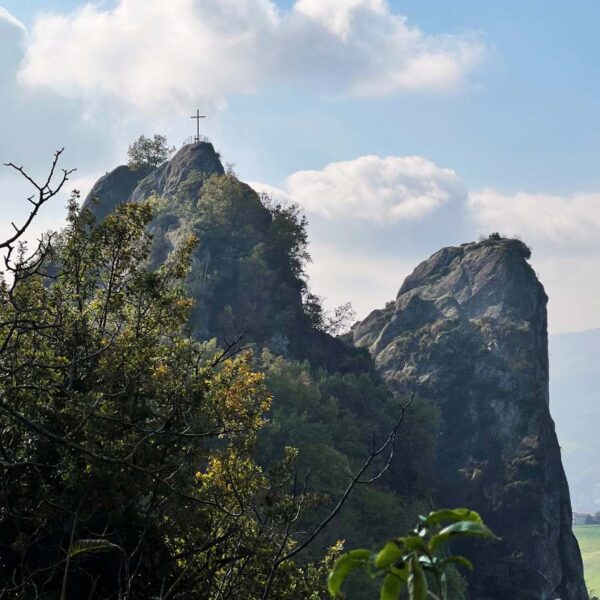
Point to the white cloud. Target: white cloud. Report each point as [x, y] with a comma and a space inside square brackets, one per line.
[370, 188]
[371, 221]
[11, 20]
[157, 53]
[342, 274]
[549, 219]
[572, 282]
[340, 16]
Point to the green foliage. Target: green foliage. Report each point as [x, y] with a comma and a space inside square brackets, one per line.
[333, 420]
[248, 266]
[344, 566]
[418, 562]
[149, 152]
[131, 439]
[588, 537]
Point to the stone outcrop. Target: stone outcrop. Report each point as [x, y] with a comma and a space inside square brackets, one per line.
[468, 333]
[125, 184]
[113, 189]
[198, 158]
[241, 278]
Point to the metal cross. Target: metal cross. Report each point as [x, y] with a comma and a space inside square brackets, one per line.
[198, 117]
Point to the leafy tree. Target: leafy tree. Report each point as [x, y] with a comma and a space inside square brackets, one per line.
[148, 152]
[334, 419]
[127, 449]
[418, 562]
[341, 319]
[334, 323]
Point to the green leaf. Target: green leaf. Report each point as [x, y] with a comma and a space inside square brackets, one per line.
[459, 560]
[391, 588]
[412, 542]
[343, 566]
[401, 573]
[388, 555]
[452, 514]
[90, 546]
[417, 581]
[427, 562]
[460, 529]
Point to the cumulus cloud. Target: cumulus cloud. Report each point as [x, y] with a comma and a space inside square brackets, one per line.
[153, 53]
[551, 219]
[370, 188]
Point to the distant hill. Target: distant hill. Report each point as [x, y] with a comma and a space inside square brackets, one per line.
[575, 406]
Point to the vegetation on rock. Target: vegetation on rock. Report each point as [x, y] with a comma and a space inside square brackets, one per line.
[149, 152]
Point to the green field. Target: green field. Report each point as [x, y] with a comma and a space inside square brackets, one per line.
[588, 537]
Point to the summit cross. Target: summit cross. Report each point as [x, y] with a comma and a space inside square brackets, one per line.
[198, 116]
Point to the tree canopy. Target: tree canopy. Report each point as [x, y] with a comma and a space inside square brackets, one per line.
[127, 448]
[149, 152]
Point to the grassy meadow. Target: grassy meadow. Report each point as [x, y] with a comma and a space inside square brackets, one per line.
[588, 537]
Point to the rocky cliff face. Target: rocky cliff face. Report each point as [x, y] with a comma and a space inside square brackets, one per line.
[247, 269]
[113, 189]
[191, 159]
[467, 332]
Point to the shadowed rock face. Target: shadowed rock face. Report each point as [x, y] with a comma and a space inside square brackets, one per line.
[468, 333]
[125, 184]
[113, 189]
[241, 277]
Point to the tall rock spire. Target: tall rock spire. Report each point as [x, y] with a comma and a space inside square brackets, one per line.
[468, 333]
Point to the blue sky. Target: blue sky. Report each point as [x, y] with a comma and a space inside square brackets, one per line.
[518, 124]
[531, 119]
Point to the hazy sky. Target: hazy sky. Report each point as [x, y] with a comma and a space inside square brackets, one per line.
[398, 126]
